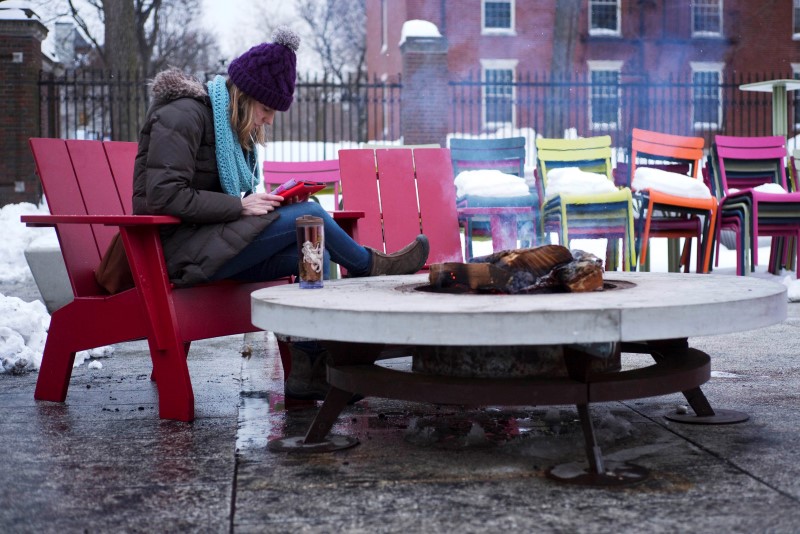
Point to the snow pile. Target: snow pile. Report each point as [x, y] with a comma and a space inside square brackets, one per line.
[671, 183]
[572, 180]
[16, 238]
[23, 331]
[490, 183]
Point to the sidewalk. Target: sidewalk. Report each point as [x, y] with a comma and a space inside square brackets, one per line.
[104, 462]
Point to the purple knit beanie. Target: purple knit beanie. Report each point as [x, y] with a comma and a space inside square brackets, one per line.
[267, 72]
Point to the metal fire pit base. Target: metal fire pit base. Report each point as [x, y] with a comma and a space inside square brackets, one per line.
[615, 474]
[720, 417]
[360, 319]
[331, 443]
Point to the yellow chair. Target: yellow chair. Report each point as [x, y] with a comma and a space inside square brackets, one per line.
[577, 214]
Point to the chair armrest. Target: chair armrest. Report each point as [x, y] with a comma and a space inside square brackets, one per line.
[348, 220]
[108, 220]
[345, 215]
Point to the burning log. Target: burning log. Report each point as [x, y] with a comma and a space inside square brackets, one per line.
[545, 269]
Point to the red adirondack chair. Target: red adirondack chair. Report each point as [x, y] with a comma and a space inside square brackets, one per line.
[88, 187]
[403, 193]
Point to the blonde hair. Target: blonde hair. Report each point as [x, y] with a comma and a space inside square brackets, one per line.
[242, 110]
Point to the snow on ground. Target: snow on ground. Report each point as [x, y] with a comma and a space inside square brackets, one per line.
[23, 325]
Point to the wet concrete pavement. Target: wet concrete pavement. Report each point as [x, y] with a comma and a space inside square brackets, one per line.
[104, 462]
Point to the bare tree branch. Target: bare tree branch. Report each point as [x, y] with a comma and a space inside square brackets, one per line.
[338, 32]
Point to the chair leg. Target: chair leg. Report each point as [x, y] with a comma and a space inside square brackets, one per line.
[175, 394]
[56, 368]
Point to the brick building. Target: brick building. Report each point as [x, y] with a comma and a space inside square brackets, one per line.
[604, 42]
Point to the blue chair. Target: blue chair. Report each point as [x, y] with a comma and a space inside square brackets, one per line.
[506, 155]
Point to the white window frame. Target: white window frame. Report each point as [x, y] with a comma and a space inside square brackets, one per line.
[498, 64]
[605, 32]
[605, 66]
[795, 96]
[707, 3]
[703, 66]
[499, 31]
[384, 26]
[796, 20]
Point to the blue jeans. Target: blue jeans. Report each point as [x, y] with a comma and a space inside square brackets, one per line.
[273, 254]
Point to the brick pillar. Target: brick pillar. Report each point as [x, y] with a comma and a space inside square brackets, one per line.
[20, 63]
[425, 104]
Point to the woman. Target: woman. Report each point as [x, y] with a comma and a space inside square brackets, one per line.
[197, 155]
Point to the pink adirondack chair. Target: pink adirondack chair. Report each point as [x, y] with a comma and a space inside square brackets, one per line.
[88, 188]
[323, 171]
[402, 193]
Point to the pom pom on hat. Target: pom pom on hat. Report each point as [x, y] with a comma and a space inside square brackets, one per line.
[267, 72]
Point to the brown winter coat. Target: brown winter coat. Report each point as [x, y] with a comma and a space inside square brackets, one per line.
[176, 174]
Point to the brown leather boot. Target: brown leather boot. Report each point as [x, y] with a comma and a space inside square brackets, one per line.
[407, 260]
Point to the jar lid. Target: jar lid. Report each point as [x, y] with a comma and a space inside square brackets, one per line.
[308, 220]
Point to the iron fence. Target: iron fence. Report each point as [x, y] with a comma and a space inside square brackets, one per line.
[327, 115]
[578, 106]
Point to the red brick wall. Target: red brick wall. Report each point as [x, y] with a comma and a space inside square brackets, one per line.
[20, 118]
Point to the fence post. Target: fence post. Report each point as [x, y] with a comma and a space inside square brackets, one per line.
[424, 107]
[20, 62]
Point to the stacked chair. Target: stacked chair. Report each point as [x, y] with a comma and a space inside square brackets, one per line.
[598, 210]
[748, 175]
[475, 211]
[672, 199]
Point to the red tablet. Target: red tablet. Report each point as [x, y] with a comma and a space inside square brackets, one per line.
[297, 188]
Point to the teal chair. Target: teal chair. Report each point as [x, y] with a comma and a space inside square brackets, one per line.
[506, 155]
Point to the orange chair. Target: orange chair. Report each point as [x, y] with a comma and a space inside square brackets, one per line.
[665, 212]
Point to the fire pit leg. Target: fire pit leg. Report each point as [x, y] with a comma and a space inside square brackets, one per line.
[317, 438]
[600, 472]
[704, 414]
[593, 453]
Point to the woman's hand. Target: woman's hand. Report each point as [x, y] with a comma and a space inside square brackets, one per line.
[260, 203]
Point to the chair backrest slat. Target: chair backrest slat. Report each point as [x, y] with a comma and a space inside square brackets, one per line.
[667, 150]
[745, 162]
[98, 189]
[360, 192]
[437, 204]
[121, 157]
[398, 197]
[504, 154]
[591, 154]
[79, 247]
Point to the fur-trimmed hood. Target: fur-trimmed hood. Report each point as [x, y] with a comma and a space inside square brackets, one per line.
[173, 84]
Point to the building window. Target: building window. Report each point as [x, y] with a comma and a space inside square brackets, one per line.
[796, 20]
[604, 97]
[604, 17]
[706, 18]
[795, 96]
[498, 92]
[497, 16]
[706, 95]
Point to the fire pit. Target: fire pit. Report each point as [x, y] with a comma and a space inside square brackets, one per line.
[655, 313]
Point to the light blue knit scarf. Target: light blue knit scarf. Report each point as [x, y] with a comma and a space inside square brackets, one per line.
[238, 169]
